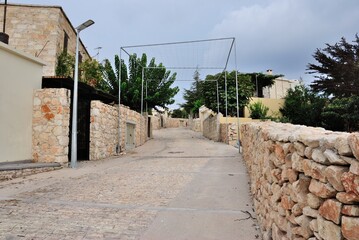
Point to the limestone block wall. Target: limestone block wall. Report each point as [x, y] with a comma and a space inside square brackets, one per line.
[176, 122]
[304, 181]
[130, 116]
[155, 122]
[211, 128]
[232, 130]
[103, 130]
[195, 124]
[50, 125]
[39, 31]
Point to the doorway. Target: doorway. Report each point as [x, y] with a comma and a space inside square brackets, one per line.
[130, 136]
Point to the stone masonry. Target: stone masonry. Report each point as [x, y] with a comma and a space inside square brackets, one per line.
[104, 129]
[211, 127]
[304, 180]
[51, 120]
[40, 31]
[176, 122]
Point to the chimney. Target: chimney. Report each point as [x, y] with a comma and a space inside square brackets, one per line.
[270, 72]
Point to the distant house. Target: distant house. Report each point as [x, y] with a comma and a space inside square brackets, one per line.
[41, 31]
[280, 87]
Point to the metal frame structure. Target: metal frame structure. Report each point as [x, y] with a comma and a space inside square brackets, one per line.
[125, 49]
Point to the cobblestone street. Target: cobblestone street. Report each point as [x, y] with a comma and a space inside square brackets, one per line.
[176, 186]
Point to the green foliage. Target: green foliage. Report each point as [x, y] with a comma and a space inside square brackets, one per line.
[65, 65]
[245, 92]
[91, 74]
[258, 110]
[342, 114]
[261, 80]
[338, 69]
[158, 80]
[302, 106]
[193, 96]
[179, 113]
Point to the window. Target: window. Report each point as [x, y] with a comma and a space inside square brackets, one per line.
[66, 41]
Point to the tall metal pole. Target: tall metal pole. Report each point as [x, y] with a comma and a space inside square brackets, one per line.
[146, 97]
[74, 106]
[256, 86]
[4, 22]
[75, 95]
[238, 122]
[217, 97]
[225, 87]
[119, 106]
[143, 75]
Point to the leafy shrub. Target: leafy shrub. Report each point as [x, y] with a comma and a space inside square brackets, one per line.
[258, 110]
[65, 65]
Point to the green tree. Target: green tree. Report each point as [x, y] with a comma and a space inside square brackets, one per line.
[261, 80]
[179, 113]
[157, 78]
[245, 92]
[337, 71]
[302, 106]
[91, 74]
[342, 114]
[65, 65]
[193, 96]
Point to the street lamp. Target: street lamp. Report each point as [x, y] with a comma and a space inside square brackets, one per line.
[75, 93]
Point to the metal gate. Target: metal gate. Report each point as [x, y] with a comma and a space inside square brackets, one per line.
[130, 136]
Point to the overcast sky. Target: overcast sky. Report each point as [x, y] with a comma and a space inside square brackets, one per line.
[270, 34]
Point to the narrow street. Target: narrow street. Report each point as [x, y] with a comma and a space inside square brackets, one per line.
[178, 185]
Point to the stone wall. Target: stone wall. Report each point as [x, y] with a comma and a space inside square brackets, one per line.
[104, 129]
[155, 122]
[211, 128]
[195, 124]
[304, 181]
[50, 125]
[176, 122]
[130, 116]
[232, 130]
[40, 31]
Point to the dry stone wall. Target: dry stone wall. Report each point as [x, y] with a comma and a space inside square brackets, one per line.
[50, 125]
[176, 122]
[104, 129]
[230, 129]
[304, 181]
[155, 122]
[211, 127]
[133, 117]
[195, 124]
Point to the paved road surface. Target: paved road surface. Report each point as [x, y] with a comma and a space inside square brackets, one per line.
[176, 186]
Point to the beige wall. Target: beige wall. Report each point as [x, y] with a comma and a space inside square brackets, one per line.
[273, 104]
[279, 88]
[20, 74]
[35, 29]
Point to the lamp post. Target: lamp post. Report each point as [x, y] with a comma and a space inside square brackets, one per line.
[3, 36]
[75, 93]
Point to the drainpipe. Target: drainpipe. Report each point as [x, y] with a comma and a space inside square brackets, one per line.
[3, 36]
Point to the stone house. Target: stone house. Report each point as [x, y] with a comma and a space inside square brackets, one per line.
[41, 31]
